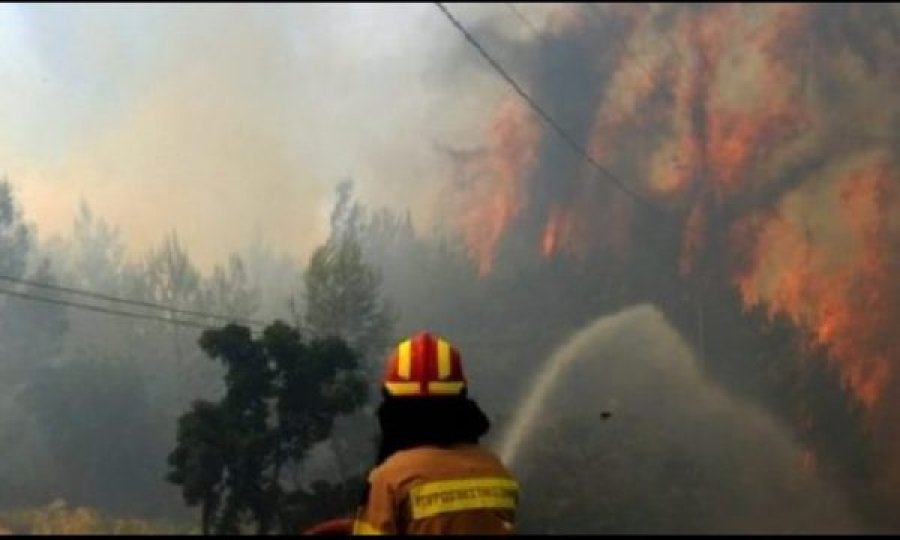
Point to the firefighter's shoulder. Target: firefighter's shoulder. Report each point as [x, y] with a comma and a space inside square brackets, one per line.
[425, 463]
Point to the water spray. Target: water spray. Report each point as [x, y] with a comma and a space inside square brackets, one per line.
[608, 326]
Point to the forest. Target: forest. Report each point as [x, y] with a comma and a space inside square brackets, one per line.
[678, 256]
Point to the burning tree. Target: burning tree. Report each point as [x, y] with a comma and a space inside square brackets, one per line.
[763, 138]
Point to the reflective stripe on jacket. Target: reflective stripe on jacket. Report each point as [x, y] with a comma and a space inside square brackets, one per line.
[464, 489]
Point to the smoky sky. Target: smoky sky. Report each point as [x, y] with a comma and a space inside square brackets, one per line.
[219, 121]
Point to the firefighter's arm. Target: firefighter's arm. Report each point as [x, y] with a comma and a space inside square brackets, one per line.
[332, 527]
[378, 513]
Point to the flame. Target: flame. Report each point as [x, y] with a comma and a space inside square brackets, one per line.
[733, 101]
[497, 196]
[769, 131]
[727, 92]
[551, 236]
[848, 303]
[560, 233]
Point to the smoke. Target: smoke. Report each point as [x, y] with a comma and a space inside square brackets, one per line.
[221, 120]
[764, 134]
[678, 453]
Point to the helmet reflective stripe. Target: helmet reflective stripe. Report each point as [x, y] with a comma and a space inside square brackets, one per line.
[443, 355]
[404, 359]
[424, 365]
[445, 388]
[403, 388]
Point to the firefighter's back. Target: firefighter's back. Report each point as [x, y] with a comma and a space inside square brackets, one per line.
[463, 489]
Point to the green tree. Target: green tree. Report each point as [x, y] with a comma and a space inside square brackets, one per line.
[92, 256]
[31, 338]
[15, 236]
[276, 276]
[342, 291]
[228, 291]
[343, 298]
[198, 462]
[100, 431]
[282, 396]
[30, 332]
[168, 276]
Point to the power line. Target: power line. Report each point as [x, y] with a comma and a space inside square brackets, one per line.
[542, 113]
[594, 11]
[193, 324]
[537, 34]
[99, 309]
[515, 11]
[128, 301]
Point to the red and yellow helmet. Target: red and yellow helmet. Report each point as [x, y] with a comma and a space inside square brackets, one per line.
[424, 366]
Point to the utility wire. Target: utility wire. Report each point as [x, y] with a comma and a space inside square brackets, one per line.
[128, 301]
[99, 309]
[606, 173]
[537, 34]
[519, 15]
[193, 324]
[594, 11]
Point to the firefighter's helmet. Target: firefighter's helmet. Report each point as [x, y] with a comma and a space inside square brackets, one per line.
[424, 366]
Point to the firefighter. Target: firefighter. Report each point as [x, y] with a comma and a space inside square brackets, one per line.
[431, 475]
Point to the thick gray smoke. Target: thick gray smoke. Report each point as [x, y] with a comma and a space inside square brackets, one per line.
[677, 454]
[218, 120]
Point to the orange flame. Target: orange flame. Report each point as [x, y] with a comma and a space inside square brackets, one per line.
[848, 304]
[499, 194]
[551, 236]
[560, 233]
[711, 112]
